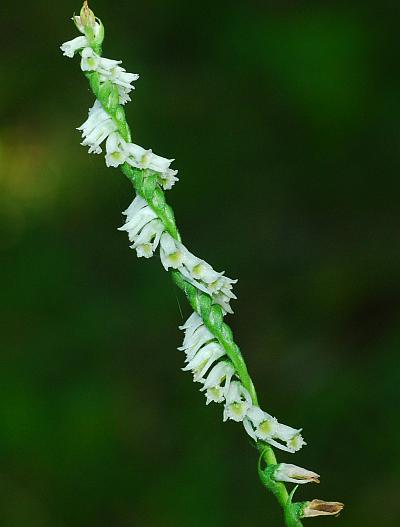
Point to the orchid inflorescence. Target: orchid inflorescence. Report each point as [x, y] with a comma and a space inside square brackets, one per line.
[211, 354]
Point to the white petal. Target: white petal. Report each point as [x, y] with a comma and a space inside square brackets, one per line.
[72, 46]
[137, 204]
[194, 321]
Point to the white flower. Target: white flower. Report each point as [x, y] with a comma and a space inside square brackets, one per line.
[137, 204]
[167, 179]
[260, 425]
[171, 252]
[221, 291]
[96, 128]
[139, 157]
[72, 46]
[200, 270]
[115, 150]
[292, 437]
[148, 239]
[90, 60]
[109, 70]
[191, 324]
[238, 402]
[143, 226]
[195, 340]
[223, 300]
[120, 77]
[203, 360]
[123, 95]
[138, 215]
[222, 372]
[200, 274]
[294, 474]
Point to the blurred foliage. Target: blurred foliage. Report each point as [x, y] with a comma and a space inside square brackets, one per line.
[284, 120]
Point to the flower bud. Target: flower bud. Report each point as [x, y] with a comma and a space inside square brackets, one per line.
[87, 16]
[294, 474]
[321, 508]
[89, 25]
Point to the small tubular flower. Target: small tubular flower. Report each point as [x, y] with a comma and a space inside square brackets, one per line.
[238, 402]
[168, 179]
[115, 150]
[194, 340]
[70, 47]
[91, 61]
[191, 324]
[138, 215]
[171, 252]
[260, 425]
[203, 360]
[98, 126]
[200, 274]
[321, 508]
[291, 436]
[200, 270]
[122, 79]
[221, 373]
[147, 241]
[141, 158]
[109, 70]
[294, 474]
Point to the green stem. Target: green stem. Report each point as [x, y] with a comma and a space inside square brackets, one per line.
[146, 185]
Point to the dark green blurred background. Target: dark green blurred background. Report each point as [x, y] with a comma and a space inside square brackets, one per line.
[284, 118]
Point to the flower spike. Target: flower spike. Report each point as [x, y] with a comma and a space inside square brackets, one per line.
[209, 350]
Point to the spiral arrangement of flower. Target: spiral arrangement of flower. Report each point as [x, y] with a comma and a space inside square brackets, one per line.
[211, 354]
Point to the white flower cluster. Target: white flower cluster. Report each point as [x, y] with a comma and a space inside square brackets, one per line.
[109, 70]
[146, 231]
[100, 126]
[205, 357]
[196, 271]
[221, 385]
